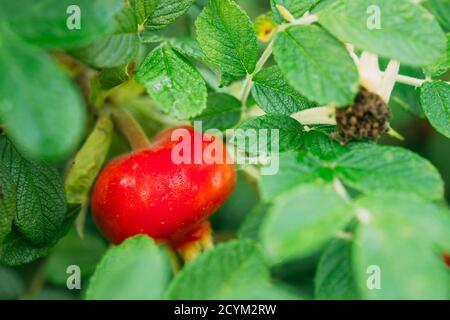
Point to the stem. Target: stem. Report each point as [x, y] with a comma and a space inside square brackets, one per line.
[412, 81]
[248, 83]
[319, 115]
[264, 57]
[305, 20]
[37, 283]
[247, 86]
[130, 128]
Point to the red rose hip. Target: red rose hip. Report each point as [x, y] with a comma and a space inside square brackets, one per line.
[147, 192]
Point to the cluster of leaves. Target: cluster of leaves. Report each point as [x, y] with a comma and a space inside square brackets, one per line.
[386, 203]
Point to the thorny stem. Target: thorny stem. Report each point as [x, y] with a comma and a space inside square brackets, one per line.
[247, 85]
[130, 128]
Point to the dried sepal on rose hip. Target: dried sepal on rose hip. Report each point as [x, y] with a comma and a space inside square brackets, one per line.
[367, 118]
[150, 192]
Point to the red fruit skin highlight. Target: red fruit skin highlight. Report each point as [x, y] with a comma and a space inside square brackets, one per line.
[147, 193]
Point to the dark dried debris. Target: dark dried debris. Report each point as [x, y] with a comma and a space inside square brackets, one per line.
[367, 118]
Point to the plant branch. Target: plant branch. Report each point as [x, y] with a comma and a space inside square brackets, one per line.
[319, 115]
[248, 82]
[130, 128]
[415, 82]
[247, 85]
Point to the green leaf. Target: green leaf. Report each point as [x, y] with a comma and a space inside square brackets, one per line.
[235, 270]
[112, 77]
[334, 278]
[364, 167]
[137, 269]
[71, 250]
[440, 10]
[402, 233]
[406, 31]
[435, 102]
[173, 82]
[223, 112]
[274, 95]
[46, 22]
[406, 97]
[320, 145]
[227, 38]
[143, 9]
[269, 133]
[89, 161]
[43, 112]
[249, 228]
[295, 168]
[41, 204]
[442, 65]
[235, 210]
[17, 250]
[187, 46]
[371, 167]
[296, 7]
[317, 65]
[7, 201]
[166, 12]
[113, 50]
[11, 285]
[302, 221]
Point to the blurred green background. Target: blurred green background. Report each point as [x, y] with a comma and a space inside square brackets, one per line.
[46, 278]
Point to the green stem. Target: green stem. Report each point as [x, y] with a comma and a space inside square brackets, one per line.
[130, 128]
[37, 283]
[411, 81]
[318, 115]
[248, 83]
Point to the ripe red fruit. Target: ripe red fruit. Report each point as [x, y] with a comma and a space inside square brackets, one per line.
[147, 193]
